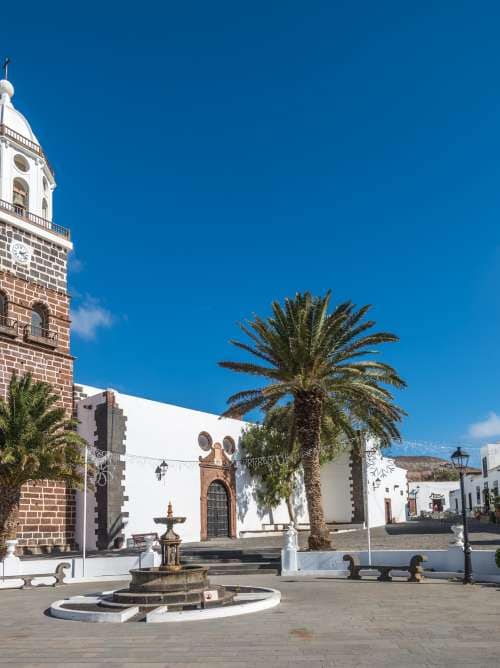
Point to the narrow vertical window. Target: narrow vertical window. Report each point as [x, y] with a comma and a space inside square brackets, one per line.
[39, 320]
[3, 309]
[20, 196]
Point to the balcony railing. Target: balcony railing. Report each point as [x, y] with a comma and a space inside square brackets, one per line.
[24, 141]
[21, 212]
[40, 335]
[8, 325]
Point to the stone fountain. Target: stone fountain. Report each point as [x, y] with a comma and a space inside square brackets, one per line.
[172, 584]
[171, 592]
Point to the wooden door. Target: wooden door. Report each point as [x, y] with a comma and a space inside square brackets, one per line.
[217, 511]
[388, 511]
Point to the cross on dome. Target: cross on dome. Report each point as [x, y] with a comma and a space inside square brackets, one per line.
[5, 68]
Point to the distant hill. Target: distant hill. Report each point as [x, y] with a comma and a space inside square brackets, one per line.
[422, 468]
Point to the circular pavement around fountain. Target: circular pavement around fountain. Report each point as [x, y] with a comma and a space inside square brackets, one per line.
[102, 607]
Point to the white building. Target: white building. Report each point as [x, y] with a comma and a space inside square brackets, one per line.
[480, 486]
[204, 479]
[430, 496]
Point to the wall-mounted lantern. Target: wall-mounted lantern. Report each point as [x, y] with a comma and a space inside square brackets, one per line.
[161, 470]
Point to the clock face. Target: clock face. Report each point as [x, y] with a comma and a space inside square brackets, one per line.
[21, 253]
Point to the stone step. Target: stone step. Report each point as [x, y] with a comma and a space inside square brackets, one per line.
[249, 568]
[222, 558]
[217, 553]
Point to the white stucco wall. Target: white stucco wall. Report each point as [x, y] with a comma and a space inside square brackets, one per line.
[391, 485]
[336, 489]
[162, 431]
[157, 431]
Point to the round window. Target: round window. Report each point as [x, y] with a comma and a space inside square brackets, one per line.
[21, 163]
[229, 445]
[205, 440]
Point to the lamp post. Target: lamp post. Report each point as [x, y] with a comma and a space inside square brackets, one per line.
[460, 459]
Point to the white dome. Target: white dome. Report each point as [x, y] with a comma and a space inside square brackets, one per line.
[9, 116]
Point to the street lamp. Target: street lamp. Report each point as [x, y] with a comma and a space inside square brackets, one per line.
[460, 459]
[161, 470]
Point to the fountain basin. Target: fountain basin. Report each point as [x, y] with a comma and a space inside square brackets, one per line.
[92, 608]
[177, 589]
[161, 580]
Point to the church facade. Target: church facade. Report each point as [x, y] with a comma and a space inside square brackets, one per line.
[146, 453]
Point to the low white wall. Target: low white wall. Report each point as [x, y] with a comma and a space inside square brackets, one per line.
[95, 567]
[450, 560]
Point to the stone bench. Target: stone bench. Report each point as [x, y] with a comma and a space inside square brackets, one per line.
[139, 539]
[415, 570]
[58, 576]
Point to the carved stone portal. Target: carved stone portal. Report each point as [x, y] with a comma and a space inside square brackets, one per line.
[217, 468]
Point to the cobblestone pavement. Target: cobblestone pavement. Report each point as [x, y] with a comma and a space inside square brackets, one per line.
[320, 622]
[428, 534]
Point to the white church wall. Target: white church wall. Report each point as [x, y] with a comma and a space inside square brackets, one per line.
[157, 431]
[163, 431]
[167, 432]
[336, 489]
[252, 517]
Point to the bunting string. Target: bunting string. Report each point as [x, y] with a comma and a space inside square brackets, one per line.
[380, 463]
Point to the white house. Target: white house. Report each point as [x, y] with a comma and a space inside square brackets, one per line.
[428, 496]
[479, 486]
[206, 478]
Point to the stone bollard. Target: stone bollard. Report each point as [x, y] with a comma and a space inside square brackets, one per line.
[458, 539]
[289, 562]
[149, 557]
[11, 565]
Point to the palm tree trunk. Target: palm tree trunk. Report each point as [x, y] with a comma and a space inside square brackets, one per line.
[9, 511]
[308, 405]
[289, 506]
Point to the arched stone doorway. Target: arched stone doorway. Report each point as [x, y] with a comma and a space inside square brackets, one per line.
[217, 511]
[218, 495]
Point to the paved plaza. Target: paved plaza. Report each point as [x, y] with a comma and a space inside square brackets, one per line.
[414, 535]
[320, 622]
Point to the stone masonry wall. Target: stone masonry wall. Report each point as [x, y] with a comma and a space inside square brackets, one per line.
[46, 517]
[357, 486]
[48, 266]
[47, 512]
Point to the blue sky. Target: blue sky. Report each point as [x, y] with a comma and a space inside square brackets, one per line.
[211, 157]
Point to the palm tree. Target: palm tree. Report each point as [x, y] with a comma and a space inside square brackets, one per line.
[313, 357]
[275, 452]
[37, 442]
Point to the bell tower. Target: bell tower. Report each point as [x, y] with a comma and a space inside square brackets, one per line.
[34, 304]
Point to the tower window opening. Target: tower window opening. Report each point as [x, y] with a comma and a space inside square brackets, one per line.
[20, 196]
[40, 320]
[3, 309]
[45, 208]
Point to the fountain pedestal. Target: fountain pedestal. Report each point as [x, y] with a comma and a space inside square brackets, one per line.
[179, 587]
